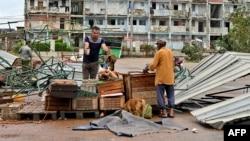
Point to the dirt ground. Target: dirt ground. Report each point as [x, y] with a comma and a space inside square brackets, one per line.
[61, 130]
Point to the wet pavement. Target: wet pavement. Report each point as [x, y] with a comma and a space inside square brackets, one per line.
[61, 130]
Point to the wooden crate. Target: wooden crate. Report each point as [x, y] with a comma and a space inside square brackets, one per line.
[57, 104]
[63, 88]
[111, 103]
[89, 85]
[86, 103]
[9, 111]
[63, 84]
[149, 94]
[139, 85]
[6, 97]
[110, 87]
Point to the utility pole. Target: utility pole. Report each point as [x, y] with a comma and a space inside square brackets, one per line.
[207, 24]
[190, 21]
[169, 24]
[149, 22]
[131, 24]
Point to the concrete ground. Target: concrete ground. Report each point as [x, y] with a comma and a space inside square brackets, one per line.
[61, 130]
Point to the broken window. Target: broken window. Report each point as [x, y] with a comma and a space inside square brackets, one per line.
[162, 23]
[32, 4]
[193, 7]
[201, 27]
[215, 24]
[91, 23]
[153, 5]
[193, 23]
[63, 2]
[175, 7]
[53, 3]
[176, 23]
[134, 22]
[62, 21]
[111, 22]
[99, 22]
[142, 22]
[40, 3]
[120, 22]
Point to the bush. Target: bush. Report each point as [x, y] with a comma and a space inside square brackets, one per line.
[16, 47]
[60, 46]
[193, 52]
[40, 46]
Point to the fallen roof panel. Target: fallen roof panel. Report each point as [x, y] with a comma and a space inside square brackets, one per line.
[225, 68]
[218, 114]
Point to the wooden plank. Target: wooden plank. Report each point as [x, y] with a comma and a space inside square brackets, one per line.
[63, 94]
[63, 85]
[111, 103]
[36, 111]
[143, 89]
[85, 103]
[111, 87]
[54, 104]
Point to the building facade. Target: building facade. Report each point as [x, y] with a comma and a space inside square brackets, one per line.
[176, 21]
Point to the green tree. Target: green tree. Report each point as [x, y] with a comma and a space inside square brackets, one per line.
[238, 38]
[193, 52]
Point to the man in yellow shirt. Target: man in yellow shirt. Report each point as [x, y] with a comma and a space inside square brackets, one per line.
[164, 79]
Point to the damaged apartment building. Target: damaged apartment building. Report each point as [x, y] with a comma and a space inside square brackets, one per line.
[176, 21]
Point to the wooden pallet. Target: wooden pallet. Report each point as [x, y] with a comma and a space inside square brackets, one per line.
[36, 111]
[78, 114]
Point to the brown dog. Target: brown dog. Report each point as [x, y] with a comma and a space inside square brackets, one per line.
[135, 106]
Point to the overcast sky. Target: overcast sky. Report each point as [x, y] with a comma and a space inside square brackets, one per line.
[11, 11]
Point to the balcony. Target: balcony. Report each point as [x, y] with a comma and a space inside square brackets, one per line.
[138, 28]
[157, 28]
[178, 29]
[61, 9]
[198, 14]
[139, 12]
[179, 13]
[196, 31]
[219, 30]
[37, 9]
[158, 12]
[77, 26]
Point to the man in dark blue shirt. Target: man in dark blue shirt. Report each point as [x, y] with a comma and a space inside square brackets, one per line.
[92, 46]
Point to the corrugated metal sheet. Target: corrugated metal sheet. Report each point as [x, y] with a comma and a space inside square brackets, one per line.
[211, 72]
[8, 57]
[217, 115]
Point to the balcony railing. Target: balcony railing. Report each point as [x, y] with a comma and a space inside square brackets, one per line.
[219, 30]
[178, 29]
[158, 12]
[157, 28]
[37, 9]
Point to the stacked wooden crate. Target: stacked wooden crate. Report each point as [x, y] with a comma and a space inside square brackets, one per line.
[60, 94]
[86, 99]
[111, 94]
